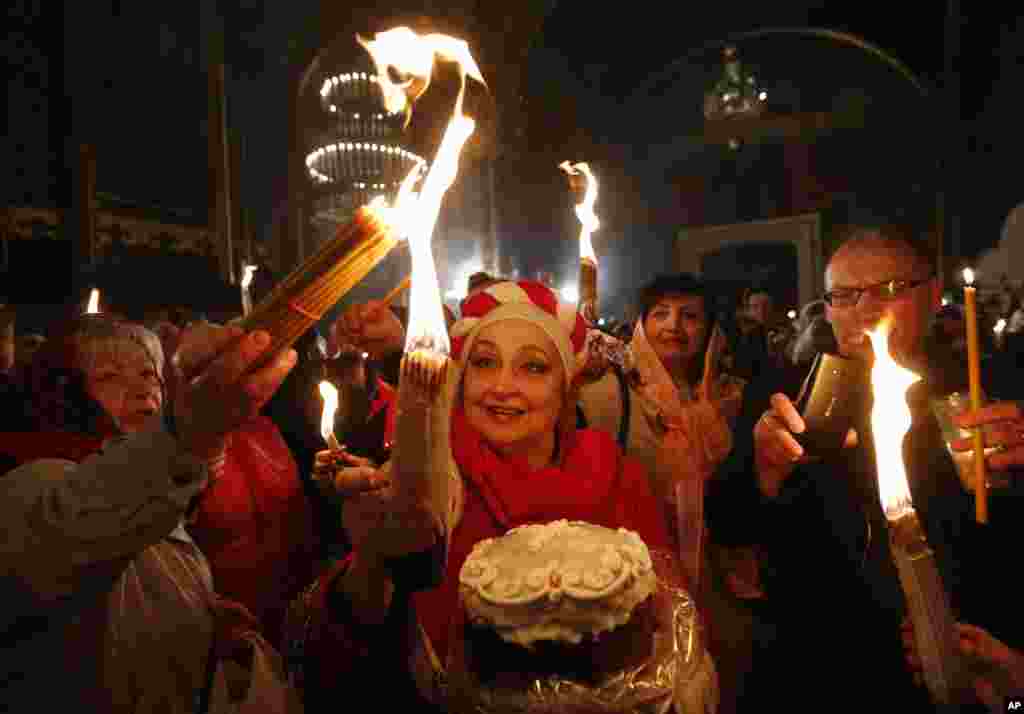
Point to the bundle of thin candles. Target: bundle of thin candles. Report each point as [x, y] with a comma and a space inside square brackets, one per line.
[301, 299]
[396, 291]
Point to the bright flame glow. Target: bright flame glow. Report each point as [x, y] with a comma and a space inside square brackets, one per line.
[247, 272]
[968, 276]
[413, 56]
[999, 326]
[330, 394]
[890, 420]
[460, 283]
[93, 307]
[791, 314]
[571, 294]
[589, 221]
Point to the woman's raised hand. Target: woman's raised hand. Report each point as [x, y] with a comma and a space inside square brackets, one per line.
[215, 393]
[381, 526]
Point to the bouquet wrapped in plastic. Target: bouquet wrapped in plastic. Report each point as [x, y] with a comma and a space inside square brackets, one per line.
[671, 668]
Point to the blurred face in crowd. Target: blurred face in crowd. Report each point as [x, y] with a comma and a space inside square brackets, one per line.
[26, 347]
[513, 390]
[759, 307]
[6, 349]
[676, 328]
[122, 377]
[872, 262]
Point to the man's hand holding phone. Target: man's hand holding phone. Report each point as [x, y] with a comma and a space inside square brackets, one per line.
[776, 449]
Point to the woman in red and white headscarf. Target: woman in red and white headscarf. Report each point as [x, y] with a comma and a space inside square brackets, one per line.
[521, 460]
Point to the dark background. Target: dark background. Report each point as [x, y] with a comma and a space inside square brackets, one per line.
[620, 86]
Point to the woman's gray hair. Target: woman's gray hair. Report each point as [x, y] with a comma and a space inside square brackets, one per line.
[99, 337]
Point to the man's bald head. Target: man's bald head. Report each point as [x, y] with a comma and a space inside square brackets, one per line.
[874, 245]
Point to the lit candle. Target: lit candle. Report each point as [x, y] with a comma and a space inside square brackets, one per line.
[330, 394]
[974, 374]
[422, 467]
[581, 174]
[247, 272]
[916, 566]
[93, 307]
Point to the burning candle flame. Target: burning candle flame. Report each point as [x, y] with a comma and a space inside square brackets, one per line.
[890, 420]
[589, 221]
[93, 307]
[413, 56]
[330, 394]
[968, 276]
[247, 272]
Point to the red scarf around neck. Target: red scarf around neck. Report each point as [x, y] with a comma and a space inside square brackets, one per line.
[593, 482]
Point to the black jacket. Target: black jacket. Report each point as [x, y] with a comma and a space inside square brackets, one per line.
[831, 584]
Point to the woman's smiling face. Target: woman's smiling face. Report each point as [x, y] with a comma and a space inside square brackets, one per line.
[513, 390]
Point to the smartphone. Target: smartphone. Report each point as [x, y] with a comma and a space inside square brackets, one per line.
[828, 401]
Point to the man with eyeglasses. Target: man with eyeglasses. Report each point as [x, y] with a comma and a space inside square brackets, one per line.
[834, 599]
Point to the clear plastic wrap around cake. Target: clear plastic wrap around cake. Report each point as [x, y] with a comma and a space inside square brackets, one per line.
[662, 664]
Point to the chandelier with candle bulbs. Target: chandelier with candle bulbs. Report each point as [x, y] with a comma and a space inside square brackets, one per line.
[359, 157]
[736, 94]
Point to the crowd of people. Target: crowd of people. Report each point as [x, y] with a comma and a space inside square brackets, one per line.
[172, 546]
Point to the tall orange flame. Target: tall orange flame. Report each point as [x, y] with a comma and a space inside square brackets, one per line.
[413, 56]
[247, 272]
[589, 221]
[330, 394]
[890, 421]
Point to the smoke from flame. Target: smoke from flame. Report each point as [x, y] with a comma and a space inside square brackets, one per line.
[589, 221]
[413, 56]
[890, 421]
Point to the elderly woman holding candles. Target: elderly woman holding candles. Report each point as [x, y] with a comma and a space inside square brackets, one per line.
[519, 460]
[109, 604]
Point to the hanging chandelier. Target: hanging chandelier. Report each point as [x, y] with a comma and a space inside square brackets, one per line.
[359, 157]
[736, 94]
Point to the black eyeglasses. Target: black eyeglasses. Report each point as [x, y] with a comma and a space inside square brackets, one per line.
[889, 290]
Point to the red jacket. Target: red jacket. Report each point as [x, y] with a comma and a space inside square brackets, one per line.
[255, 525]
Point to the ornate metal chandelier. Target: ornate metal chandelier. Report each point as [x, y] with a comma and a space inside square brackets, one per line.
[359, 157]
[736, 94]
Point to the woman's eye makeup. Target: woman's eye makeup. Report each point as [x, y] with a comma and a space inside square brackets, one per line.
[483, 361]
[537, 367]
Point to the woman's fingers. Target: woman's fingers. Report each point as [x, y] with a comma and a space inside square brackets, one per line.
[356, 460]
[995, 412]
[354, 480]
[976, 642]
[1000, 434]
